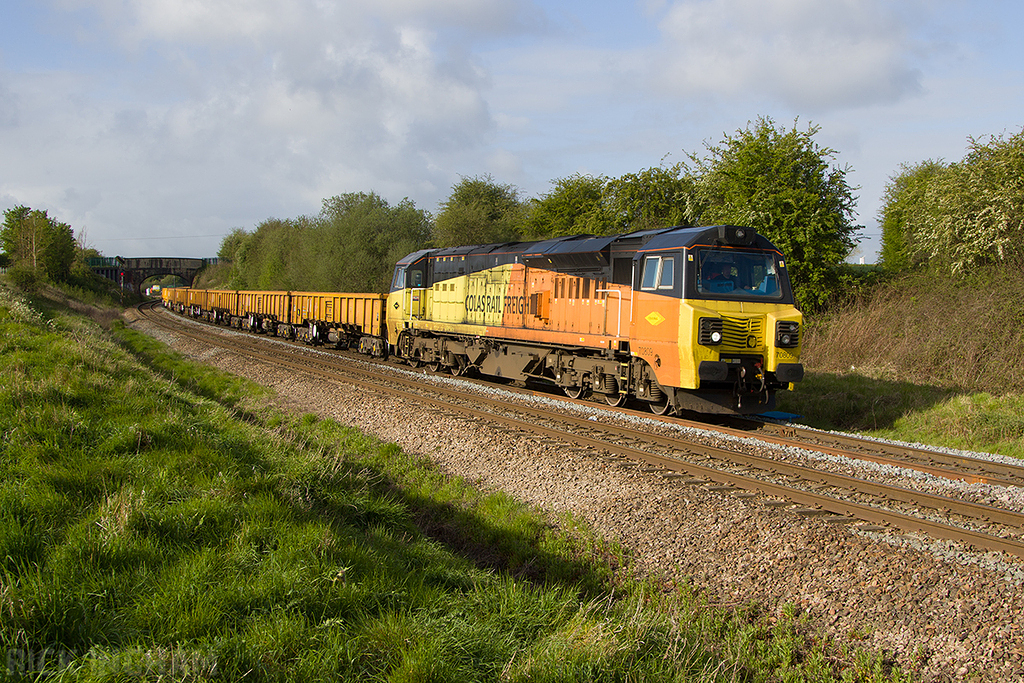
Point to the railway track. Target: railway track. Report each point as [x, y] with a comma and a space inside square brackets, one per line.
[951, 466]
[805, 490]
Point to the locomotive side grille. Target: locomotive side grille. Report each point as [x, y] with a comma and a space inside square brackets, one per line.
[742, 333]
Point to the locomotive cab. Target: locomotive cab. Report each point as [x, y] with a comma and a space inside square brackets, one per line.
[732, 336]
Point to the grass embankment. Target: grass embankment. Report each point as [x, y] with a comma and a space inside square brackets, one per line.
[154, 523]
[923, 359]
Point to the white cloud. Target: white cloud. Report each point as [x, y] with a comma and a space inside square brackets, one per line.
[224, 112]
[806, 54]
[216, 22]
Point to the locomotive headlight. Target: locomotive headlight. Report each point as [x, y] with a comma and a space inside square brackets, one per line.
[709, 331]
[787, 334]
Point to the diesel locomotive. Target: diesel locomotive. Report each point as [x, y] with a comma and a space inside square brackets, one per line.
[697, 319]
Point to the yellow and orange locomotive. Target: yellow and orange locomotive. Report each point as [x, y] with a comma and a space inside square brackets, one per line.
[697, 319]
[700, 319]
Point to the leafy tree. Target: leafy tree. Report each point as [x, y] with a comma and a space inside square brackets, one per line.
[904, 204]
[352, 245]
[574, 207]
[975, 210]
[368, 236]
[231, 243]
[59, 255]
[13, 236]
[479, 211]
[261, 256]
[35, 241]
[655, 197]
[959, 216]
[785, 185]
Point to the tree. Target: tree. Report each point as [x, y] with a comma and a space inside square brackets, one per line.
[35, 241]
[260, 256]
[13, 237]
[574, 207]
[975, 210]
[58, 256]
[231, 243]
[959, 216]
[656, 197]
[904, 204]
[785, 185]
[479, 211]
[367, 236]
[351, 246]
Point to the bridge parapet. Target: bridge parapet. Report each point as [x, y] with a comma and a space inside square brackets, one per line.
[134, 271]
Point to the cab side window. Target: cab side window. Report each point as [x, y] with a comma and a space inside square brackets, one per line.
[667, 279]
[658, 273]
[399, 281]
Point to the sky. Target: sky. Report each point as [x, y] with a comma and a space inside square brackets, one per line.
[155, 127]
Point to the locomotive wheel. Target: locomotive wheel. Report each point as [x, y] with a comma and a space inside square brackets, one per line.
[615, 400]
[660, 407]
[455, 369]
[575, 392]
[434, 366]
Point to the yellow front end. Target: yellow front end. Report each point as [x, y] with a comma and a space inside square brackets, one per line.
[737, 331]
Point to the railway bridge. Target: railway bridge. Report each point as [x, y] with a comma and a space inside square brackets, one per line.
[132, 272]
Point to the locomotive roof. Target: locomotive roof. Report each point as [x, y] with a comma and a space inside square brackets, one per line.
[717, 235]
[569, 244]
[575, 245]
[414, 257]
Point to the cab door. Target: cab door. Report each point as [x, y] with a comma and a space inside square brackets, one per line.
[396, 312]
[654, 323]
[415, 302]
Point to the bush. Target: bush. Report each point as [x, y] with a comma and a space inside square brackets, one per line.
[25, 279]
[928, 329]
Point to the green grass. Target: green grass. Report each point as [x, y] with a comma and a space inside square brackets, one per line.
[157, 523]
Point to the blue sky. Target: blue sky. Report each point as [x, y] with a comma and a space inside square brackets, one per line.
[154, 127]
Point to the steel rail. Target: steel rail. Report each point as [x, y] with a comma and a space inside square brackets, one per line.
[980, 511]
[973, 470]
